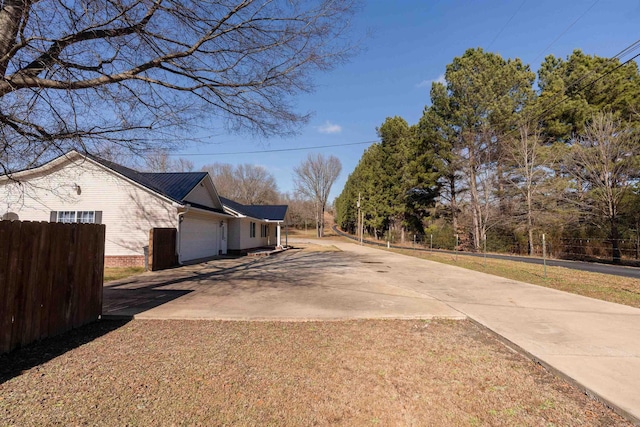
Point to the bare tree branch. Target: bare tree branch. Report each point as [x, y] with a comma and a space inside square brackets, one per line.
[79, 72]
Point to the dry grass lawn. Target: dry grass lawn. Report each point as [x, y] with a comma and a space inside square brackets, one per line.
[440, 373]
[115, 273]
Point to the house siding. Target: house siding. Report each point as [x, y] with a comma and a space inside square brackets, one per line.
[201, 195]
[128, 211]
[240, 236]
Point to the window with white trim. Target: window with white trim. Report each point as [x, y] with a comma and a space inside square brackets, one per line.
[86, 217]
[83, 217]
[252, 229]
[264, 230]
[67, 217]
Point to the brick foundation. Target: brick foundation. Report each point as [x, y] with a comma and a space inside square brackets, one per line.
[124, 261]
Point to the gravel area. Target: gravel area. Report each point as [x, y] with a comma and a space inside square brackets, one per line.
[382, 372]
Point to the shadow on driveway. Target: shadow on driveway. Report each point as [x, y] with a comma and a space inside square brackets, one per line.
[126, 298]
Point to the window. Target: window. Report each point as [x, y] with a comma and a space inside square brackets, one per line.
[85, 217]
[264, 230]
[66, 216]
[252, 229]
[69, 217]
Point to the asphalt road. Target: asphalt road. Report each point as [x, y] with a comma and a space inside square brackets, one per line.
[616, 270]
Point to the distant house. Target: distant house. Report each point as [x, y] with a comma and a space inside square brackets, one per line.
[79, 187]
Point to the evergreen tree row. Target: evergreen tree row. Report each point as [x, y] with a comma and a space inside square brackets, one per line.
[502, 155]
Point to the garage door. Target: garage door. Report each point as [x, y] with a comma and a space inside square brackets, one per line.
[199, 238]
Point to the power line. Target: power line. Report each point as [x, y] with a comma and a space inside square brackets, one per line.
[627, 50]
[565, 31]
[588, 85]
[278, 150]
[506, 24]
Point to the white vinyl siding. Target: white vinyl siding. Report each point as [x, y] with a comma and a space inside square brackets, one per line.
[239, 234]
[128, 211]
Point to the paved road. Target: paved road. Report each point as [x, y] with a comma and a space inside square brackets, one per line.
[616, 270]
[591, 342]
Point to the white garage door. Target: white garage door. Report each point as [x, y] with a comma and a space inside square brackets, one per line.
[199, 238]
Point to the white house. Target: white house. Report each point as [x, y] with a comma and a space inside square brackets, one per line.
[79, 187]
[251, 221]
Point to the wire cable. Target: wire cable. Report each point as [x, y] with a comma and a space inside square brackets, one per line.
[277, 150]
[565, 31]
[506, 24]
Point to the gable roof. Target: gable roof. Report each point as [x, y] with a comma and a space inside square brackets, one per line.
[262, 212]
[172, 185]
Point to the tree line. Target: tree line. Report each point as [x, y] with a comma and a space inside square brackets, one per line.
[503, 155]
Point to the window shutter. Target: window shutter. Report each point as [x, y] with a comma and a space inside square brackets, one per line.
[53, 217]
[98, 217]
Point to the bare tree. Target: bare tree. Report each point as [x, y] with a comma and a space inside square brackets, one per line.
[161, 161]
[300, 212]
[605, 159]
[87, 74]
[247, 184]
[528, 172]
[313, 180]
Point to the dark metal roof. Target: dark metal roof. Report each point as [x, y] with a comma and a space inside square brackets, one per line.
[173, 185]
[265, 212]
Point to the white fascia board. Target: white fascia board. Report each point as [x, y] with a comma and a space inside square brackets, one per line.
[70, 156]
[51, 164]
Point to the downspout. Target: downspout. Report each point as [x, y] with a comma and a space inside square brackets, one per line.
[185, 208]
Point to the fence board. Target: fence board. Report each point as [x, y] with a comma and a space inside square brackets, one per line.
[6, 291]
[162, 248]
[50, 279]
[13, 278]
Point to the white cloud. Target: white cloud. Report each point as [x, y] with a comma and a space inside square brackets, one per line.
[427, 83]
[329, 127]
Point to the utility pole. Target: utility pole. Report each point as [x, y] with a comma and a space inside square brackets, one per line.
[359, 220]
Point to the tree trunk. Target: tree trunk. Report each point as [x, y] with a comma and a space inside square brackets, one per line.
[615, 242]
[475, 208]
[454, 203]
[529, 221]
[317, 221]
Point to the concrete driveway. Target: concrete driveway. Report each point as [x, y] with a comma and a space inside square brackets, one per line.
[319, 281]
[590, 342]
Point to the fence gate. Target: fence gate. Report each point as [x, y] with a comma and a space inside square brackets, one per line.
[162, 248]
[50, 279]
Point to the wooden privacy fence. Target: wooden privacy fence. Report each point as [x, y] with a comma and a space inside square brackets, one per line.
[162, 248]
[51, 278]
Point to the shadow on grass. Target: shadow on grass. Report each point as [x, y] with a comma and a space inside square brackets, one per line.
[15, 363]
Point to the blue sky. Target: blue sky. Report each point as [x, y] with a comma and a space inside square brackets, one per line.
[407, 45]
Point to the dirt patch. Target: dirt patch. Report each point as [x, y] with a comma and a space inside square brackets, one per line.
[270, 373]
